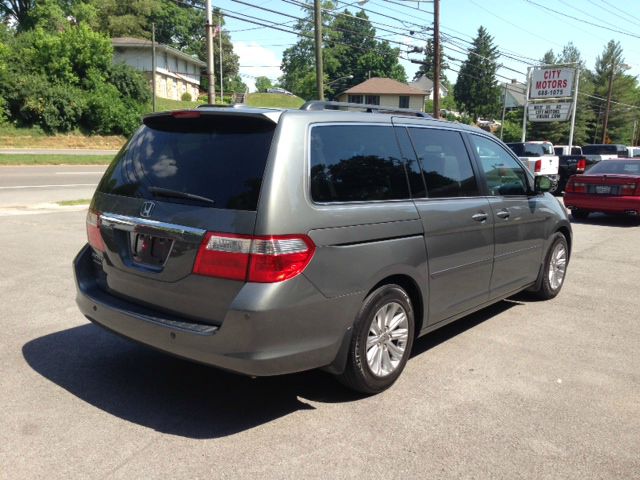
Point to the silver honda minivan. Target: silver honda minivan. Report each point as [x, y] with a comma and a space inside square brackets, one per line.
[268, 241]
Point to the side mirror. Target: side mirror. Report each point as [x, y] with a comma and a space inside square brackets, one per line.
[542, 184]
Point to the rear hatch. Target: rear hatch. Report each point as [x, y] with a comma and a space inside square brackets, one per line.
[181, 175]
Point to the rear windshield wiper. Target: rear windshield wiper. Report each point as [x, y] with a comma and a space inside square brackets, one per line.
[167, 192]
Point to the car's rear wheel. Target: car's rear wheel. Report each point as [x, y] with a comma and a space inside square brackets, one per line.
[381, 342]
[579, 214]
[555, 268]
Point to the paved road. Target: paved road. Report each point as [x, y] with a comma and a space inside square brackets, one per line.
[20, 186]
[55, 151]
[536, 390]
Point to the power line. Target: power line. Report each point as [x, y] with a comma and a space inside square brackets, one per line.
[582, 20]
[626, 14]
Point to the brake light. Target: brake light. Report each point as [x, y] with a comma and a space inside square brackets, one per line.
[582, 165]
[576, 187]
[628, 189]
[185, 114]
[94, 236]
[538, 166]
[263, 259]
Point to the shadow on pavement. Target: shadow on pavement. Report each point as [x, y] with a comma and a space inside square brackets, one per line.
[182, 398]
[622, 221]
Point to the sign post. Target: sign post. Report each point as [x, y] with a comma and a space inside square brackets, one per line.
[526, 105]
[575, 107]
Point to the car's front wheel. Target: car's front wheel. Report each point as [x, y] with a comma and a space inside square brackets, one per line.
[381, 342]
[555, 268]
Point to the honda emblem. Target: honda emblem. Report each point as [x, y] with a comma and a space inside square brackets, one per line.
[147, 208]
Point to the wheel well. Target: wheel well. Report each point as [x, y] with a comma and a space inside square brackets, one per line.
[565, 231]
[412, 289]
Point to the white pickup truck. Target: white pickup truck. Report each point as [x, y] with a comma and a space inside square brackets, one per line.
[539, 157]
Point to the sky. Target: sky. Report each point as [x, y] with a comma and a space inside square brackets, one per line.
[523, 30]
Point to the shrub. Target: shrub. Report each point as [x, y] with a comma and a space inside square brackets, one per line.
[108, 113]
[129, 82]
[186, 97]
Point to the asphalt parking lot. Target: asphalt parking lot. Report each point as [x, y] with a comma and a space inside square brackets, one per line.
[523, 389]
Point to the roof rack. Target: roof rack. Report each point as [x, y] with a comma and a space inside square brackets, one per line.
[317, 105]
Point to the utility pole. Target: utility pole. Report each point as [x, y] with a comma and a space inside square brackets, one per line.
[210, 76]
[436, 59]
[220, 52]
[153, 65]
[576, 85]
[504, 109]
[318, 39]
[605, 122]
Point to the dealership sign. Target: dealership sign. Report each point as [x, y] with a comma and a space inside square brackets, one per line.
[549, 112]
[551, 82]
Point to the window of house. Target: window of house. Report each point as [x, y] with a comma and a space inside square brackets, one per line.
[404, 101]
[445, 163]
[355, 99]
[372, 100]
[355, 163]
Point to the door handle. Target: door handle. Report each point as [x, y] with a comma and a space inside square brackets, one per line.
[503, 214]
[479, 217]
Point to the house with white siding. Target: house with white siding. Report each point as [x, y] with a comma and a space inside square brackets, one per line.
[385, 92]
[176, 72]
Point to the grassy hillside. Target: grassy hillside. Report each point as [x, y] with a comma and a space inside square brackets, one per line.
[163, 104]
[273, 100]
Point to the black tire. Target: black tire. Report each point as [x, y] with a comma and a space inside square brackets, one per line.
[358, 374]
[549, 289]
[579, 214]
[558, 188]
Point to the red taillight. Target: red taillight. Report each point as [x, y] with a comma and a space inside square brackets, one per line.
[253, 258]
[582, 165]
[93, 231]
[576, 187]
[628, 189]
[538, 166]
[185, 114]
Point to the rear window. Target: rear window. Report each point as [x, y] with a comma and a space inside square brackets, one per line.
[616, 167]
[599, 150]
[531, 149]
[355, 163]
[220, 159]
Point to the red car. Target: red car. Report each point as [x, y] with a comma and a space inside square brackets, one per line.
[610, 186]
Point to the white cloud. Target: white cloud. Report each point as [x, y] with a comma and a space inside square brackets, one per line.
[256, 61]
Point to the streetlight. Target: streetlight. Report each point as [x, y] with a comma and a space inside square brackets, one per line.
[338, 79]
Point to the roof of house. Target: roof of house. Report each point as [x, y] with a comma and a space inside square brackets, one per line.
[124, 42]
[388, 86]
[426, 85]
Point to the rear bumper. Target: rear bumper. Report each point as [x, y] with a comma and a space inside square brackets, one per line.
[602, 203]
[270, 329]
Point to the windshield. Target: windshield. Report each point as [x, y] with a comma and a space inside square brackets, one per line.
[600, 150]
[615, 167]
[210, 160]
[531, 149]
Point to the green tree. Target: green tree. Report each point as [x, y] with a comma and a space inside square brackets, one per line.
[351, 54]
[610, 66]
[428, 63]
[476, 90]
[263, 84]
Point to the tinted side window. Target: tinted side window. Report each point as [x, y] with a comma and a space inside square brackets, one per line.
[504, 176]
[445, 163]
[351, 163]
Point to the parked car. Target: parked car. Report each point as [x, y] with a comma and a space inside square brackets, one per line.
[603, 151]
[570, 165]
[633, 152]
[539, 157]
[609, 187]
[565, 150]
[267, 242]
[279, 90]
